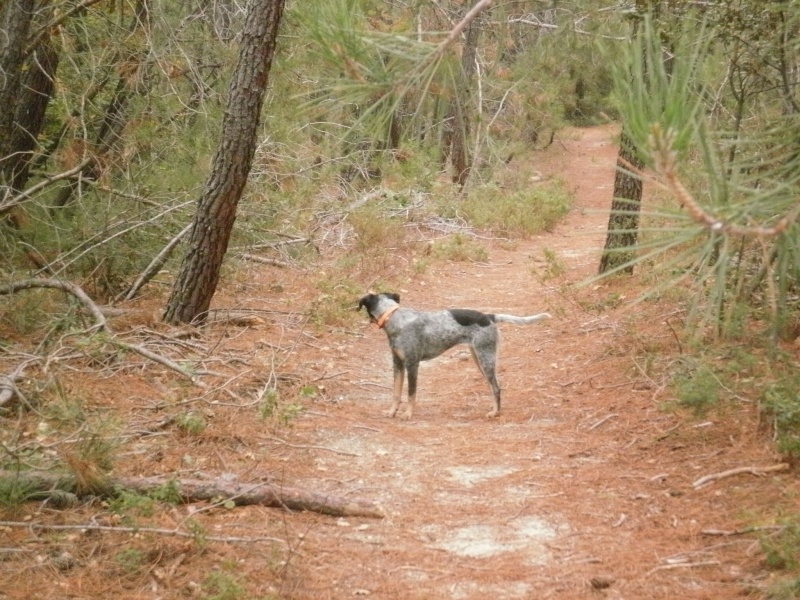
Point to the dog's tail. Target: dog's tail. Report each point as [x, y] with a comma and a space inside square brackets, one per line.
[521, 320]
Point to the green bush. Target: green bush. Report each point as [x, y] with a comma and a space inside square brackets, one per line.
[521, 213]
[698, 390]
[782, 401]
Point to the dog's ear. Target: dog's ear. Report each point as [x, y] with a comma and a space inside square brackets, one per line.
[395, 297]
[366, 302]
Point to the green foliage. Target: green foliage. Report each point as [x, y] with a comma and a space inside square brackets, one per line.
[559, 78]
[336, 300]
[14, 493]
[782, 550]
[784, 590]
[698, 390]
[554, 266]
[459, 248]
[517, 213]
[781, 400]
[736, 240]
[191, 422]
[269, 404]
[220, 585]
[130, 560]
[271, 407]
[126, 503]
[385, 71]
[169, 492]
[376, 234]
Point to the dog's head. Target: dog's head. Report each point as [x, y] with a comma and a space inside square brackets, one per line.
[372, 302]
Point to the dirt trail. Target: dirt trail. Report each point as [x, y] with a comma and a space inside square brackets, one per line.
[583, 478]
[582, 488]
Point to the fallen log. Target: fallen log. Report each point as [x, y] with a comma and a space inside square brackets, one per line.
[194, 490]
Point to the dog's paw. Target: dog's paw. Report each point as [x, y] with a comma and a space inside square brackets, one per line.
[392, 411]
[493, 413]
[407, 415]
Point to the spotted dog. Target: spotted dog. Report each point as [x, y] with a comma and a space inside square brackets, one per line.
[415, 336]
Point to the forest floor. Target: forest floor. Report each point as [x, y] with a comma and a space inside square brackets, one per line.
[582, 488]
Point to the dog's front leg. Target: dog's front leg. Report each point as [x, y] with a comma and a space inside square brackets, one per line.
[413, 369]
[397, 392]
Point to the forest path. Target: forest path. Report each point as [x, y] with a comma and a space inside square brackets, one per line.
[583, 485]
[581, 489]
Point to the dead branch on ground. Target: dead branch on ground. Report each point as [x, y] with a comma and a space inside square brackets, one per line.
[100, 323]
[759, 471]
[194, 490]
[274, 262]
[743, 530]
[121, 529]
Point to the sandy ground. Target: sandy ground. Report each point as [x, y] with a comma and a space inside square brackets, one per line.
[582, 488]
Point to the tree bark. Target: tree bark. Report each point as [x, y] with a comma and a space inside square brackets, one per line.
[623, 223]
[15, 18]
[194, 490]
[457, 126]
[216, 211]
[38, 85]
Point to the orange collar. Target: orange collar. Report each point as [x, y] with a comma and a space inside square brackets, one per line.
[385, 316]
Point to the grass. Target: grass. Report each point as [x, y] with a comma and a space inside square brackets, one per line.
[459, 248]
[782, 554]
[219, 585]
[191, 423]
[281, 413]
[517, 213]
[553, 266]
[781, 401]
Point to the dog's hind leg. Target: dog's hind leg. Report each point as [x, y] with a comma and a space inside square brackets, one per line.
[486, 358]
[413, 369]
[397, 391]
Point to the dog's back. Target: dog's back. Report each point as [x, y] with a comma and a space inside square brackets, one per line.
[422, 336]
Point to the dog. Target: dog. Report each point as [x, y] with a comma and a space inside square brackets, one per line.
[415, 336]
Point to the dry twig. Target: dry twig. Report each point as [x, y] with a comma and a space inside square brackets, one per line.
[119, 529]
[99, 319]
[759, 471]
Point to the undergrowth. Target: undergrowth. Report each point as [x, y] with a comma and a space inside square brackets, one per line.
[717, 376]
[781, 550]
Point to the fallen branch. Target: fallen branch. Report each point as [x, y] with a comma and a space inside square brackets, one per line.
[306, 447]
[743, 531]
[603, 420]
[99, 319]
[156, 530]
[266, 261]
[65, 286]
[10, 203]
[194, 490]
[8, 383]
[684, 565]
[162, 360]
[758, 471]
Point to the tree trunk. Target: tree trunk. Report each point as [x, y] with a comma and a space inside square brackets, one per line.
[457, 126]
[37, 90]
[15, 18]
[216, 211]
[623, 223]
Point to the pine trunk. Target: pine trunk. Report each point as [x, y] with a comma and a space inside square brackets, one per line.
[216, 212]
[623, 223]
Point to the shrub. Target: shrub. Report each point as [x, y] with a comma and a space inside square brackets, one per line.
[522, 213]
